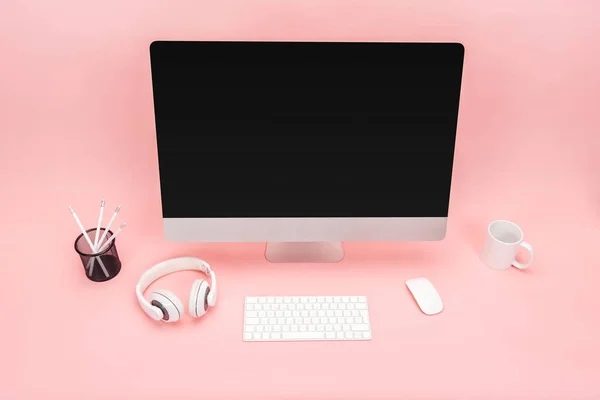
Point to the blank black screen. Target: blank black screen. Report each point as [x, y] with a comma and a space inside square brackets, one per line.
[292, 129]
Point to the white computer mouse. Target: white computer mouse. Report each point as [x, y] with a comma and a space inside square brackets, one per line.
[426, 296]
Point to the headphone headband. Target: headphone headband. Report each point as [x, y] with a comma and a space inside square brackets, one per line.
[168, 267]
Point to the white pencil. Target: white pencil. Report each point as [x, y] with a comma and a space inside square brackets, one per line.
[91, 261]
[109, 241]
[112, 219]
[99, 225]
[86, 236]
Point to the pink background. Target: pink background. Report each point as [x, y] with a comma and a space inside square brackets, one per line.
[76, 123]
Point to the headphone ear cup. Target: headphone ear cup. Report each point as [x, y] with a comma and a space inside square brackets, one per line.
[169, 304]
[198, 304]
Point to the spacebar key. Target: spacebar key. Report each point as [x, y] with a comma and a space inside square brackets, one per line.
[303, 335]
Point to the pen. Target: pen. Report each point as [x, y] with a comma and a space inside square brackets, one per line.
[99, 223]
[123, 225]
[112, 219]
[87, 238]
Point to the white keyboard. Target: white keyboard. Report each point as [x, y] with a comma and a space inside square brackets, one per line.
[299, 318]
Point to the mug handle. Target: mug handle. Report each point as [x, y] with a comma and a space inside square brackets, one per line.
[531, 256]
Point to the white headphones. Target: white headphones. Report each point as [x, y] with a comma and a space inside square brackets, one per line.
[164, 304]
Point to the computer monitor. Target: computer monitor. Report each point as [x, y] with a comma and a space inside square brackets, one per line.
[304, 145]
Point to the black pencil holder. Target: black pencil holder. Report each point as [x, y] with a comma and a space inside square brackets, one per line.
[102, 266]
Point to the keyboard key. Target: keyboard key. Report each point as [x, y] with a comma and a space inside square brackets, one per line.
[358, 335]
[325, 306]
[338, 313]
[329, 328]
[304, 300]
[360, 327]
[280, 321]
[314, 320]
[312, 300]
[251, 321]
[249, 307]
[353, 299]
[295, 299]
[342, 306]
[333, 306]
[287, 299]
[251, 300]
[346, 327]
[260, 328]
[262, 314]
[297, 321]
[312, 313]
[349, 320]
[279, 314]
[270, 300]
[361, 306]
[300, 307]
[350, 306]
[320, 328]
[328, 299]
[349, 335]
[262, 300]
[323, 320]
[304, 313]
[358, 320]
[286, 328]
[311, 328]
[247, 336]
[294, 328]
[340, 335]
[321, 313]
[367, 335]
[251, 314]
[257, 336]
[279, 300]
[330, 335]
[321, 299]
[276, 336]
[337, 299]
[362, 299]
[345, 299]
[316, 306]
[270, 314]
[265, 336]
[347, 313]
[249, 328]
[292, 307]
[355, 313]
[332, 320]
[258, 307]
[268, 328]
[337, 327]
[303, 328]
[295, 313]
[283, 307]
[290, 321]
[308, 307]
[288, 314]
[303, 335]
[330, 313]
[277, 328]
[306, 321]
[275, 307]
[266, 307]
[272, 321]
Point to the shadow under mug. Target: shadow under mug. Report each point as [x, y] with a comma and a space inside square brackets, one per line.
[502, 243]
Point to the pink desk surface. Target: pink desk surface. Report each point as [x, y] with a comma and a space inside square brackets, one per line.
[76, 123]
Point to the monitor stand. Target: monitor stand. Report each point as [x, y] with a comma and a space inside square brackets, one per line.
[304, 252]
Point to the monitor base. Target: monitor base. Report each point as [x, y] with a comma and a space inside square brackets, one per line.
[304, 252]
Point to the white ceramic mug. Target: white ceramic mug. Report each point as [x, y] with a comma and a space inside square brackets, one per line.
[503, 240]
